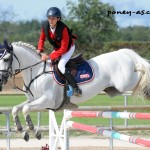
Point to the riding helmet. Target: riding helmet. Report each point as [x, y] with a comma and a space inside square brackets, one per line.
[53, 12]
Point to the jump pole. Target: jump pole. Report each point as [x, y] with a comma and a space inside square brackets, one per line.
[114, 108]
[107, 114]
[60, 135]
[111, 134]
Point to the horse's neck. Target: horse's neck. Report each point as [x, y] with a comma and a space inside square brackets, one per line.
[26, 58]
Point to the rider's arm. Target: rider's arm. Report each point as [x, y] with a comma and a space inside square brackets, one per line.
[41, 40]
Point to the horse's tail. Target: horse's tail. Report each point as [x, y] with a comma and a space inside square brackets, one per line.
[141, 65]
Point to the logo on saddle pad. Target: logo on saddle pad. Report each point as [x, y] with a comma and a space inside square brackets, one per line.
[84, 74]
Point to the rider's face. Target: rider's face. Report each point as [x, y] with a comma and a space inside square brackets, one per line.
[53, 21]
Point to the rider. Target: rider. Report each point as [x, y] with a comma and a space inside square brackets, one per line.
[58, 35]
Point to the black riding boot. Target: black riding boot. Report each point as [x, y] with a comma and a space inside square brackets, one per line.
[72, 82]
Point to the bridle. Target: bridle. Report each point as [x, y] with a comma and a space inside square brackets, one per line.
[27, 87]
[10, 73]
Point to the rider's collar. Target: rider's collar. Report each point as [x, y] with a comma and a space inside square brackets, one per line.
[53, 29]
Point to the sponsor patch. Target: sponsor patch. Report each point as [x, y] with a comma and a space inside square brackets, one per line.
[82, 76]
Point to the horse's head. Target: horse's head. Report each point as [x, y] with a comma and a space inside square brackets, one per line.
[6, 57]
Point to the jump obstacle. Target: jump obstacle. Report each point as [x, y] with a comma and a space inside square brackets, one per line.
[7, 131]
[112, 134]
[60, 135]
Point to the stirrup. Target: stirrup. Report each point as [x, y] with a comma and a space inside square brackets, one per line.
[77, 92]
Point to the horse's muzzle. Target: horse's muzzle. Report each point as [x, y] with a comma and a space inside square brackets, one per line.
[0, 88]
[1, 80]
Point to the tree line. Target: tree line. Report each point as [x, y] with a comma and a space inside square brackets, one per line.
[96, 31]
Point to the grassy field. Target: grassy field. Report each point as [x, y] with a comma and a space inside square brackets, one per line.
[99, 100]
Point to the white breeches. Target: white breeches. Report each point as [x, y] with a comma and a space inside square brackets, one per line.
[65, 58]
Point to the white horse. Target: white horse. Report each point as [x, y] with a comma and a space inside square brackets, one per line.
[115, 72]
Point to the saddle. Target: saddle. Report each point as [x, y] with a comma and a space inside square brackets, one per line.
[71, 65]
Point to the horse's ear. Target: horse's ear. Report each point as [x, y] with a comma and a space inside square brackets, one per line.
[8, 46]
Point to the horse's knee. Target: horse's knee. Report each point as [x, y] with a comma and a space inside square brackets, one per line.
[25, 110]
[15, 110]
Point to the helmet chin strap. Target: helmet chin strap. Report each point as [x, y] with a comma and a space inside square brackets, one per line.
[53, 26]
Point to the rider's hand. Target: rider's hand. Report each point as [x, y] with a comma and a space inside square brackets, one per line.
[38, 51]
[44, 57]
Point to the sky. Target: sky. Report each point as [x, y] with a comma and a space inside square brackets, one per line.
[36, 9]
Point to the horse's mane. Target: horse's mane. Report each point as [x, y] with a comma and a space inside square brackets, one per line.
[27, 45]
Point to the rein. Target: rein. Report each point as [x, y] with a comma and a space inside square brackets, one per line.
[20, 70]
[32, 80]
[9, 71]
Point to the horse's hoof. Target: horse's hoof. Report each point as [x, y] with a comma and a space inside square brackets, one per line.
[25, 136]
[18, 124]
[38, 134]
[29, 122]
[19, 128]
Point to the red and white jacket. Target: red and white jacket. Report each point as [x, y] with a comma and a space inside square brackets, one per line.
[63, 43]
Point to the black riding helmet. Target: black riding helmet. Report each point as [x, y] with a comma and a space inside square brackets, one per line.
[53, 12]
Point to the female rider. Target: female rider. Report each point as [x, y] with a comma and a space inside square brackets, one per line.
[58, 35]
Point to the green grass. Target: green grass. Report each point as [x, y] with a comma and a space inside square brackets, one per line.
[99, 100]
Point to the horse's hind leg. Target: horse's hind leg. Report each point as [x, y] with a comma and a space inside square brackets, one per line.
[16, 119]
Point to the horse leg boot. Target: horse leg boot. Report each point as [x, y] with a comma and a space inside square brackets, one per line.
[27, 117]
[76, 90]
[16, 119]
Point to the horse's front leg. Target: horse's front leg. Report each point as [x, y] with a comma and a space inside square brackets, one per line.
[16, 119]
[45, 101]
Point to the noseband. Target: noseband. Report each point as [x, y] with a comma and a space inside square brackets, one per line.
[8, 72]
